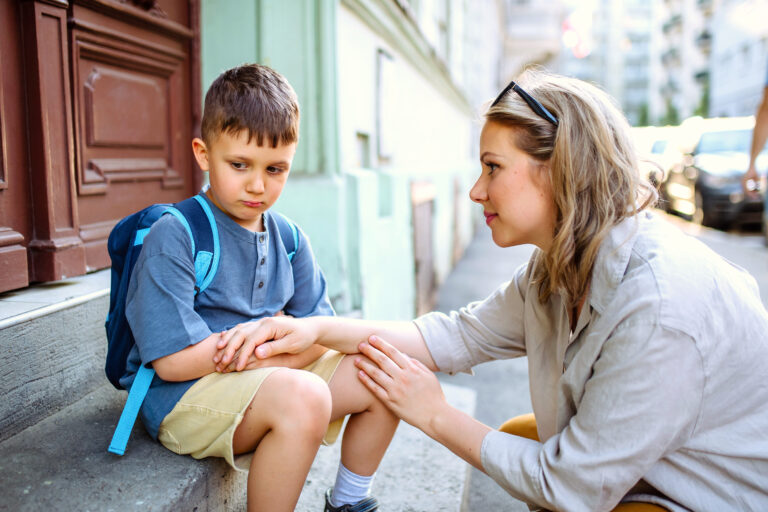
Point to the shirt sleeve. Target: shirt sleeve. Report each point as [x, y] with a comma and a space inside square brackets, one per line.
[310, 291]
[641, 403]
[482, 331]
[160, 300]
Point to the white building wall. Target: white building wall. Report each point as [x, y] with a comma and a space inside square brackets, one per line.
[408, 126]
[421, 127]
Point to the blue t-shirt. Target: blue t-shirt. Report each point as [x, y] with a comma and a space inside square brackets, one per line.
[255, 279]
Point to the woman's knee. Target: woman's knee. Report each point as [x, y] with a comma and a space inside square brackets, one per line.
[523, 426]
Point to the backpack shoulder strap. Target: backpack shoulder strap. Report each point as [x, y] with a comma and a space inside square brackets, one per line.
[136, 396]
[197, 217]
[288, 233]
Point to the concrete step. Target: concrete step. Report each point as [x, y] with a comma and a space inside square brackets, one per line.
[54, 348]
[61, 463]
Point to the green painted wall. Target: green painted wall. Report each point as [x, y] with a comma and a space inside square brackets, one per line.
[296, 38]
[227, 35]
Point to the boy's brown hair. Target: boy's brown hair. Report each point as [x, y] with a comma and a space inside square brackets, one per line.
[255, 98]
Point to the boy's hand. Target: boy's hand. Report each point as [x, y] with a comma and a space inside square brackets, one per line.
[290, 335]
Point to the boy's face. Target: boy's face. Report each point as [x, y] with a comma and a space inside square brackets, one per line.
[246, 179]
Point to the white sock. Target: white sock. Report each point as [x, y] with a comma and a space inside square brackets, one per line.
[350, 488]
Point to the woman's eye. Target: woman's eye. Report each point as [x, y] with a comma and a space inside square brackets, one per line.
[491, 167]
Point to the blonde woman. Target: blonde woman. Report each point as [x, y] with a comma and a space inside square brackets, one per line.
[647, 352]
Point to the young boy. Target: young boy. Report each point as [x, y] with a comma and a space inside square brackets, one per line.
[272, 412]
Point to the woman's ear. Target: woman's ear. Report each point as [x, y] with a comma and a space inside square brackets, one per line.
[201, 153]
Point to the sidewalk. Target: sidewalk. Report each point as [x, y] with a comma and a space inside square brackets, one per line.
[501, 386]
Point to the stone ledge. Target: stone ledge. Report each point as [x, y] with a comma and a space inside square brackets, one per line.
[50, 362]
[18, 306]
[62, 463]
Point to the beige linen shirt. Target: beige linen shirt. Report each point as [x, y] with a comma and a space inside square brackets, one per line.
[660, 394]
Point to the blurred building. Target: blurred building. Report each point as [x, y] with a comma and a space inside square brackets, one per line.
[686, 45]
[611, 43]
[738, 65]
[652, 56]
[532, 35]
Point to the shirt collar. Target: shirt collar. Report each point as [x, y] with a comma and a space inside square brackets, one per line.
[612, 260]
[225, 221]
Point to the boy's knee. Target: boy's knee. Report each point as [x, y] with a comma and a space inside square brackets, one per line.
[304, 402]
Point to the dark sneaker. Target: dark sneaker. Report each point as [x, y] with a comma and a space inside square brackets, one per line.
[368, 504]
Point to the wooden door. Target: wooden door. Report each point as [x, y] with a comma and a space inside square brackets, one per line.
[14, 187]
[422, 211]
[112, 102]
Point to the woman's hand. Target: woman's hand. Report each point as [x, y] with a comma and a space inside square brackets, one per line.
[402, 383]
[295, 361]
[237, 345]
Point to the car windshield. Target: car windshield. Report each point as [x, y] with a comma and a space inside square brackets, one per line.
[659, 146]
[722, 141]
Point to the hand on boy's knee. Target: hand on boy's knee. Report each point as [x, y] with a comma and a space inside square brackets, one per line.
[404, 384]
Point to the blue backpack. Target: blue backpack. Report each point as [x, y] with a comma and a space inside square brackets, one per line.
[124, 245]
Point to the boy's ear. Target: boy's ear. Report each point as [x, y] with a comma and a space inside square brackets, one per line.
[201, 153]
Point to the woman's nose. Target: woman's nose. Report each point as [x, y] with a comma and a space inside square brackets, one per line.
[479, 193]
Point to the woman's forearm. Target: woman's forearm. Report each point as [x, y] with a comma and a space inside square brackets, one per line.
[346, 334]
[460, 433]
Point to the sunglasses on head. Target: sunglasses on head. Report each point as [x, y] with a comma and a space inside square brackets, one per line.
[535, 105]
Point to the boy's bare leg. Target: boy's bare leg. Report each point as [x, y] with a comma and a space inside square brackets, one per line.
[285, 425]
[371, 425]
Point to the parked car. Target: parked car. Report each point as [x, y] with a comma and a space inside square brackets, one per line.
[707, 187]
[657, 147]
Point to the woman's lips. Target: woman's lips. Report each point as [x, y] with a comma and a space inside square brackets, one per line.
[489, 217]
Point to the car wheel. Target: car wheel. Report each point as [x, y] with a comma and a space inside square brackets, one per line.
[703, 214]
[698, 216]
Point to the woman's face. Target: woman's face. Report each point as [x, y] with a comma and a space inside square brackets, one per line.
[514, 191]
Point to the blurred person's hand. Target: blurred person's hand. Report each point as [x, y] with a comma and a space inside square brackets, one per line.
[750, 182]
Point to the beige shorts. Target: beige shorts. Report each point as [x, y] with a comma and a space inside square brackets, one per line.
[203, 422]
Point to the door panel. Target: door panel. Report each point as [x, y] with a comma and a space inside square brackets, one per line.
[133, 119]
[99, 100]
[14, 187]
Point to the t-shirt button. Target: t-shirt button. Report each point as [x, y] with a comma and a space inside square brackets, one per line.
[261, 239]
[261, 284]
[262, 261]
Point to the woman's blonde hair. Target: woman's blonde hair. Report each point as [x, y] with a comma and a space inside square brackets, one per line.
[593, 172]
